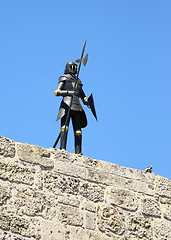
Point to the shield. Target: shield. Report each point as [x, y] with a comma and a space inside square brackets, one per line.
[92, 106]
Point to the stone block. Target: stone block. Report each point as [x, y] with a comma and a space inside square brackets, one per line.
[70, 215]
[84, 234]
[87, 162]
[167, 212]
[9, 221]
[133, 185]
[163, 186]
[78, 234]
[60, 155]
[164, 200]
[5, 193]
[111, 221]
[89, 206]
[89, 221]
[69, 168]
[34, 155]
[129, 173]
[11, 236]
[69, 200]
[64, 156]
[139, 227]
[7, 147]
[97, 176]
[52, 231]
[55, 182]
[91, 191]
[162, 231]
[2, 235]
[122, 198]
[33, 203]
[14, 172]
[151, 207]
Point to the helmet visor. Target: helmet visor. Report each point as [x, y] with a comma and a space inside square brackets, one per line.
[74, 68]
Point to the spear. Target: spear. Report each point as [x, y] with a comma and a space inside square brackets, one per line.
[84, 61]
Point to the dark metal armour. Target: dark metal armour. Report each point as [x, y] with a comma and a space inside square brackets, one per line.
[69, 83]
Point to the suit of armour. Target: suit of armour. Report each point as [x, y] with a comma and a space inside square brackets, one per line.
[67, 89]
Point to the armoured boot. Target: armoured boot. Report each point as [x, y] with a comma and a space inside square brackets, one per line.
[63, 141]
[78, 141]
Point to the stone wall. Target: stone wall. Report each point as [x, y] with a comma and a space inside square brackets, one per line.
[50, 194]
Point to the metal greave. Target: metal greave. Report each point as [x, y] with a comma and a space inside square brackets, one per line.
[62, 142]
[78, 143]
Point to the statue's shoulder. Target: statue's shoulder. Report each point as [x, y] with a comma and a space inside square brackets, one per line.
[68, 77]
[63, 78]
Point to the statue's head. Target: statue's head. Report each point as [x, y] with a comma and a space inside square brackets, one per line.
[71, 67]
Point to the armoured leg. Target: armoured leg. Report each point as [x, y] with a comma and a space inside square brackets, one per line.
[63, 140]
[76, 121]
[78, 141]
[64, 135]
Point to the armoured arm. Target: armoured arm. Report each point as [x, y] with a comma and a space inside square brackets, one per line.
[63, 93]
[84, 98]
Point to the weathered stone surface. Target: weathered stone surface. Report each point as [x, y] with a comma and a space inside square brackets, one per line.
[167, 212]
[165, 200]
[89, 222]
[84, 234]
[34, 154]
[52, 231]
[122, 198]
[15, 224]
[73, 171]
[62, 156]
[151, 207]
[67, 184]
[97, 176]
[5, 193]
[69, 200]
[92, 191]
[33, 203]
[126, 172]
[133, 185]
[139, 227]
[111, 220]
[14, 172]
[70, 215]
[61, 164]
[163, 186]
[89, 206]
[2, 235]
[162, 231]
[50, 194]
[11, 236]
[89, 162]
[71, 185]
[7, 147]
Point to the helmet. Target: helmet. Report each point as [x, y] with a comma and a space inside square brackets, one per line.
[71, 67]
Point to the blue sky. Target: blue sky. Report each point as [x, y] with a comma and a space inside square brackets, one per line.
[128, 72]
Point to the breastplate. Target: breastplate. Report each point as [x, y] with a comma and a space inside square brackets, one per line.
[69, 86]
